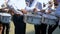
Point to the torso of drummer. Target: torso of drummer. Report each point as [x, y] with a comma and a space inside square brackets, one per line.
[58, 8]
[3, 5]
[57, 12]
[33, 5]
[36, 6]
[48, 7]
[17, 7]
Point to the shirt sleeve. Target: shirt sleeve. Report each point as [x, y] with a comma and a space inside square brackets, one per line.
[13, 7]
[33, 5]
[20, 4]
[28, 8]
[1, 2]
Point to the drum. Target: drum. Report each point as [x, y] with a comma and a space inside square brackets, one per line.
[32, 19]
[59, 22]
[57, 13]
[49, 19]
[5, 17]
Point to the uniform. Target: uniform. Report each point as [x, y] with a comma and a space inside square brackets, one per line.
[17, 6]
[57, 12]
[51, 28]
[7, 25]
[1, 25]
[39, 29]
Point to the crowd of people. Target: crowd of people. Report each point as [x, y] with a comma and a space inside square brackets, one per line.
[17, 8]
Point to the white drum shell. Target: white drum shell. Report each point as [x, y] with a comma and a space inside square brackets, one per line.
[59, 22]
[49, 19]
[5, 17]
[57, 13]
[32, 19]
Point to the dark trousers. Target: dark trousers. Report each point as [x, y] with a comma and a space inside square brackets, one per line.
[40, 29]
[1, 27]
[7, 25]
[20, 26]
[52, 28]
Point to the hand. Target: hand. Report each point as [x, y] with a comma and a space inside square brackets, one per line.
[6, 10]
[35, 10]
[48, 12]
[11, 12]
[24, 11]
[42, 11]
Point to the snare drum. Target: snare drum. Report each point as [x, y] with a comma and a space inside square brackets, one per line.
[59, 22]
[32, 19]
[49, 19]
[57, 13]
[5, 17]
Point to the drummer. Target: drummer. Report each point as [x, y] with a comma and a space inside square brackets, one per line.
[39, 29]
[51, 28]
[58, 11]
[1, 24]
[2, 10]
[18, 9]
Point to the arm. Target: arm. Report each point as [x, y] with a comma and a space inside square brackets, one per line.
[12, 7]
[32, 6]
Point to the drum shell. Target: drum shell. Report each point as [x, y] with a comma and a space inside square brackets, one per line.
[59, 22]
[57, 13]
[49, 19]
[5, 18]
[32, 19]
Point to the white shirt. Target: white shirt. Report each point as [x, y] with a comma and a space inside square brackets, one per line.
[47, 5]
[58, 9]
[17, 4]
[1, 3]
[57, 12]
[35, 4]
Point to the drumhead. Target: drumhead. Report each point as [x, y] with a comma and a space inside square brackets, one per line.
[32, 19]
[39, 13]
[32, 15]
[5, 14]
